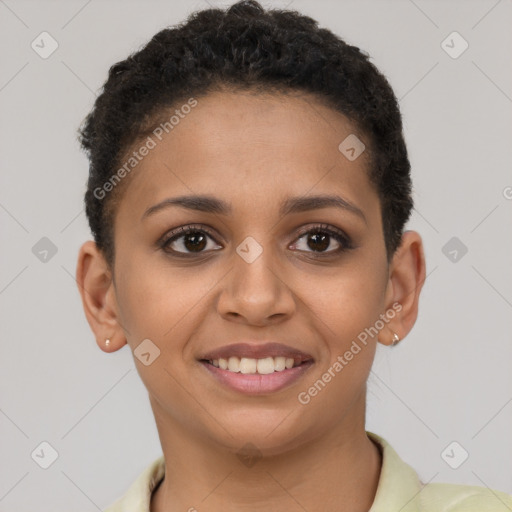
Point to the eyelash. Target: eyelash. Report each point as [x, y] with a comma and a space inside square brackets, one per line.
[180, 232]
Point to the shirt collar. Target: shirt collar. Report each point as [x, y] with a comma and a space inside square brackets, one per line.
[399, 485]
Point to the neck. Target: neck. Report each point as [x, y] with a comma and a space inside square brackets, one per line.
[339, 470]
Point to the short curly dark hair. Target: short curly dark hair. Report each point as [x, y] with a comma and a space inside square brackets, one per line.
[244, 47]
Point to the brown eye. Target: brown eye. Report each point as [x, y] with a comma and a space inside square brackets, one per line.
[187, 240]
[319, 239]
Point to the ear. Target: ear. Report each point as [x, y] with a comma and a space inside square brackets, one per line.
[406, 277]
[96, 287]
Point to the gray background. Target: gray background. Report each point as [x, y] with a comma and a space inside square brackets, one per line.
[450, 380]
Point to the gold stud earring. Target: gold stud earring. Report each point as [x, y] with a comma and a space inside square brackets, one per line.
[395, 339]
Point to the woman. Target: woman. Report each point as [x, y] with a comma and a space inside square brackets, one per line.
[249, 187]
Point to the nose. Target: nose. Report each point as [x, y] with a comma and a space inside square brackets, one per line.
[254, 291]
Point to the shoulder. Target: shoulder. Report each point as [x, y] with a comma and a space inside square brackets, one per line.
[138, 496]
[463, 498]
[400, 488]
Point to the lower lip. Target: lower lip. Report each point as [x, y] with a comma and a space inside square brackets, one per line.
[255, 384]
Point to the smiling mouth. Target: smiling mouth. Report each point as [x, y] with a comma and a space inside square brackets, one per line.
[252, 366]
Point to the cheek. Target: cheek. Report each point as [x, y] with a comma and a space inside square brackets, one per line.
[157, 301]
[344, 310]
[348, 301]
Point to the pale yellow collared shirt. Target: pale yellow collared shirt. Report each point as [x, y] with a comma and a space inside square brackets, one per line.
[399, 490]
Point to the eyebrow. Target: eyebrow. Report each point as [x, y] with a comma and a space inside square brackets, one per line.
[210, 204]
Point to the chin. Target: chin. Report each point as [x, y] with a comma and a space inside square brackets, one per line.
[269, 433]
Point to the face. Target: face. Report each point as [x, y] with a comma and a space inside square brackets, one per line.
[269, 267]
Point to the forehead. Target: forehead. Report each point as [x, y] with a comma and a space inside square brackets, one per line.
[251, 150]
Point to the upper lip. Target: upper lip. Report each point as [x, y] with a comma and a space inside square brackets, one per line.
[256, 351]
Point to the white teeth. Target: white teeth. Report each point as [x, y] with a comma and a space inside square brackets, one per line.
[266, 365]
[249, 365]
[233, 364]
[279, 364]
